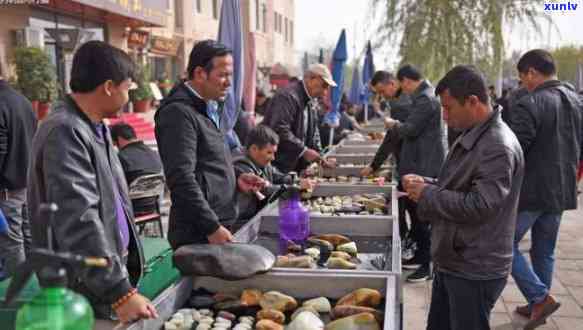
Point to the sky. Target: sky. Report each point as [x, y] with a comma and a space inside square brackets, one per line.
[319, 22]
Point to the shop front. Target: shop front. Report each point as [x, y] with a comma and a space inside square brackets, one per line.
[164, 62]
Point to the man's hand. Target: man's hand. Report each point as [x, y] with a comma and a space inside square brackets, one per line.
[220, 236]
[329, 162]
[366, 171]
[311, 155]
[414, 185]
[248, 182]
[136, 308]
[390, 122]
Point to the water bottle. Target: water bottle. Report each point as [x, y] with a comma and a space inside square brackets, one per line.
[294, 218]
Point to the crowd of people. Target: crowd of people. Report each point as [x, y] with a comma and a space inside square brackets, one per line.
[476, 173]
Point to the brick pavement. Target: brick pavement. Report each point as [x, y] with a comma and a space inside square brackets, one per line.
[567, 286]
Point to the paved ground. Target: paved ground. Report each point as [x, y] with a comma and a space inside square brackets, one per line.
[567, 286]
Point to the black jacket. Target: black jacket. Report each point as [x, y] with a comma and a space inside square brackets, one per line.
[137, 159]
[472, 206]
[285, 115]
[249, 204]
[198, 168]
[71, 167]
[423, 139]
[17, 126]
[548, 124]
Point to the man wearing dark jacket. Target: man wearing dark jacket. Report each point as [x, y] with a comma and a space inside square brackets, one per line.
[422, 152]
[471, 206]
[17, 127]
[197, 161]
[137, 159]
[262, 144]
[75, 166]
[548, 124]
[292, 114]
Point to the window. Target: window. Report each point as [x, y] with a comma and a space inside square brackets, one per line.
[285, 26]
[216, 9]
[199, 6]
[291, 32]
[264, 18]
[178, 14]
[257, 16]
[279, 23]
[275, 21]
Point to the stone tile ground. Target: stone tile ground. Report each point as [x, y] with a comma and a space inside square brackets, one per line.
[567, 286]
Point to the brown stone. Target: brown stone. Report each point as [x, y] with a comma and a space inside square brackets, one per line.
[361, 297]
[268, 325]
[271, 314]
[251, 297]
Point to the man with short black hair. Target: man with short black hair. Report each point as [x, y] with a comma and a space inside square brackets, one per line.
[262, 144]
[17, 127]
[471, 206]
[197, 161]
[422, 152]
[137, 159]
[75, 166]
[548, 124]
[292, 114]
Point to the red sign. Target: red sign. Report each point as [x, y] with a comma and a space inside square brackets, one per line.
[138, 39]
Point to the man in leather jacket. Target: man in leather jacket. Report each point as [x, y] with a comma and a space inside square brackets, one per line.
[471, 206]
[75, 166]
[292, 114]
[549, 125]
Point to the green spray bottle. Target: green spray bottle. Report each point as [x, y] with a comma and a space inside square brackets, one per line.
[55, 307]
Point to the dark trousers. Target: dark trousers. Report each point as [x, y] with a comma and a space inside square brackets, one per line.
[462, 304]
[420, 233]
[16, 242]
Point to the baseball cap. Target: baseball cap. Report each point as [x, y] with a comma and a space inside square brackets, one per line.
[322, 71]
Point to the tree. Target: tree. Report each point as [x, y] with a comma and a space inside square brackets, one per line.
[438, 34]
[567, 58]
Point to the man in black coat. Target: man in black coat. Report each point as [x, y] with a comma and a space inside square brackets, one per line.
[549, 125]
[262, 144]
[17, 127]
[422, 152]
[137, 159]
[197, 161]
[292, 114]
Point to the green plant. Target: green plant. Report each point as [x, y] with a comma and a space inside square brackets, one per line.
[36, 76]
[143, 91]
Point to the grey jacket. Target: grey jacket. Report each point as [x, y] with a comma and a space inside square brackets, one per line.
[70, 167]
[423, 136]
[472, 206]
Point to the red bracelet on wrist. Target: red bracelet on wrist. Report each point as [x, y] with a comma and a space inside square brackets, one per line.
[124, 299]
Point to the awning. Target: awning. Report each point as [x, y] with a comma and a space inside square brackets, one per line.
[136, 13]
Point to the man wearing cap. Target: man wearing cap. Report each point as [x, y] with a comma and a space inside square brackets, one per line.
[292, 114]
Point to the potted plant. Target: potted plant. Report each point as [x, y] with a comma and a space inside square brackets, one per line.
[142, 96]
[36, 78]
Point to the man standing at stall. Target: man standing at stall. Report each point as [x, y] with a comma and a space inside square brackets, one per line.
[75, 166]
[197, 161]
[292, 114]
[422, 152]
[471, 206]
[17, 127]
[548, 124]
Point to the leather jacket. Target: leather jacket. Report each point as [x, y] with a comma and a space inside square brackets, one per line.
[285, 115]
[473, 205]
[70, 167]
[549, 125]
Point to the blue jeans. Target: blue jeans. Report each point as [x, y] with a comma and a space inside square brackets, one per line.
[535, 281]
